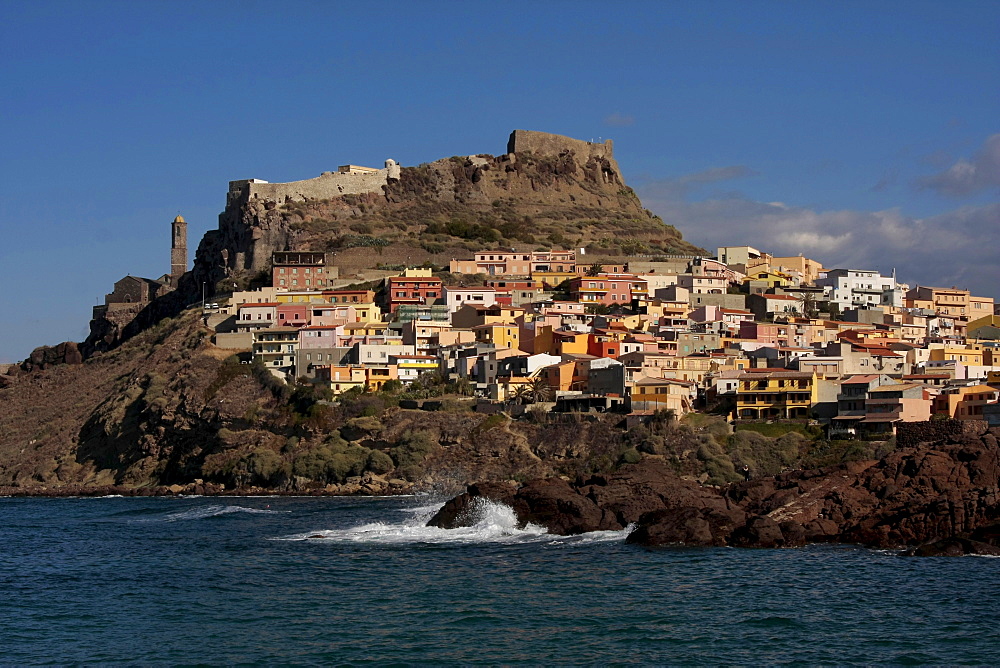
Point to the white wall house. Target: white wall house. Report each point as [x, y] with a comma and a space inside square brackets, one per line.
[860, 288]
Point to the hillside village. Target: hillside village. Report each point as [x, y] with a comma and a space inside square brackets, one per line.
[743, 334]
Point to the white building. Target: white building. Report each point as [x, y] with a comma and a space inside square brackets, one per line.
[456, 296]
[859, 288]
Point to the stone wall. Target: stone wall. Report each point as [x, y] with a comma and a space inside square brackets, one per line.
[325, 186]
[911, 434]
[544, 143]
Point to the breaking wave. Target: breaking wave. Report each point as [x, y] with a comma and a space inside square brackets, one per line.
[204, 512]
[488, 522]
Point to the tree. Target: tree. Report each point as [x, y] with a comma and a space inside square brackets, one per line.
[807, 302]
[594, 269]
[522, 394]
[598, 309]
[539, 390]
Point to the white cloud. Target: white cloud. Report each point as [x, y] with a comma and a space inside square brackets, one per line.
[967, 177]
[955, 248]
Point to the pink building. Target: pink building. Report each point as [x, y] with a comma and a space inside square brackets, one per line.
[252, 317]
[330, 314]
[293, 315]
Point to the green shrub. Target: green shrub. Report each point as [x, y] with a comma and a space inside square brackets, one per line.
[630, 456]
[491, 422]
[774, 430]
[412, 473]
[413, 447]
[265, 465]
[379, 462]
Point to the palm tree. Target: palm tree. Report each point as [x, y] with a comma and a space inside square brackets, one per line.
[539, 390]
[522, 394]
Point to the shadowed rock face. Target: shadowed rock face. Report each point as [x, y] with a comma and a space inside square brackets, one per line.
[943, 497]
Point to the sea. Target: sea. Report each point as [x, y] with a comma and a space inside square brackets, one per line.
[363, 581]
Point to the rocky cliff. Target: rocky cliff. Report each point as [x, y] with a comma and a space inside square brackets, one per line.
[548, 191]
[941, 497]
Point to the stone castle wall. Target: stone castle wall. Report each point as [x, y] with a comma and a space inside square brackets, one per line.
[550, 144]
[325, 186]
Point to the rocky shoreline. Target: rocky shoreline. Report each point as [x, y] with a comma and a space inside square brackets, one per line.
[366, 485]
[935, 498]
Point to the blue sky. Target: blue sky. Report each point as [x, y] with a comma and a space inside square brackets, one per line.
[854, 132]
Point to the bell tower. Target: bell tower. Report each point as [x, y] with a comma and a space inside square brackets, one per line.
[178, 248]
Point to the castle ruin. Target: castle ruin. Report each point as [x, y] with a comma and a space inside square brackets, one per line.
[598, 157]
[347, 180]
[545, 143]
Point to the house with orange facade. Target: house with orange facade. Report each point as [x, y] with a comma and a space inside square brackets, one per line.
[965, 403]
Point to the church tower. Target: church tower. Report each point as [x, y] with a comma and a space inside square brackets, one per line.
[178, 248]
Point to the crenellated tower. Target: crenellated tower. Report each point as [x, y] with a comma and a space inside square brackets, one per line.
[178, 248]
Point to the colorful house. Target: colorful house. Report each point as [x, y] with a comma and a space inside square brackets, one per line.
[657, 394]
[775, 394]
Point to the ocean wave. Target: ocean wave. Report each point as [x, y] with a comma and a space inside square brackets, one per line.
[489, 522]
[204, 512]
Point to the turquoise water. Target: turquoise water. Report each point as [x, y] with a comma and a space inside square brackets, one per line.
[240, 581]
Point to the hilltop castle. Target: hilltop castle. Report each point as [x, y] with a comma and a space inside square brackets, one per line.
[347, 180]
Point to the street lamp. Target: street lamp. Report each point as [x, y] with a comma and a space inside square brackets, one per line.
[203, 295]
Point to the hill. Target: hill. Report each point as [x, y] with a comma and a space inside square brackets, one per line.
[153, 402]
[546, 191]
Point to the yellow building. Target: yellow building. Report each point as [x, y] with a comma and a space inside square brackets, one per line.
[950, 301]
[773, 279]
[376, 375]
[551, 279]
[566, 342]
[775, 395]
[499, 334]
[340, 379]
[657, 394]
[985, 328]
[355, 329]
[691, 367]
[554, 341]
[469, 316]
[367, 312]
[809, 269]
[969, 355]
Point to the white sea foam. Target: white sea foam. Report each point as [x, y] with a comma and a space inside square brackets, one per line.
[488, 522]
[202, 512]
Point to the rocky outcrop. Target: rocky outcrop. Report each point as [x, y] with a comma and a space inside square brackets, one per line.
[943, 496]
[46, 356]
[603, 502]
